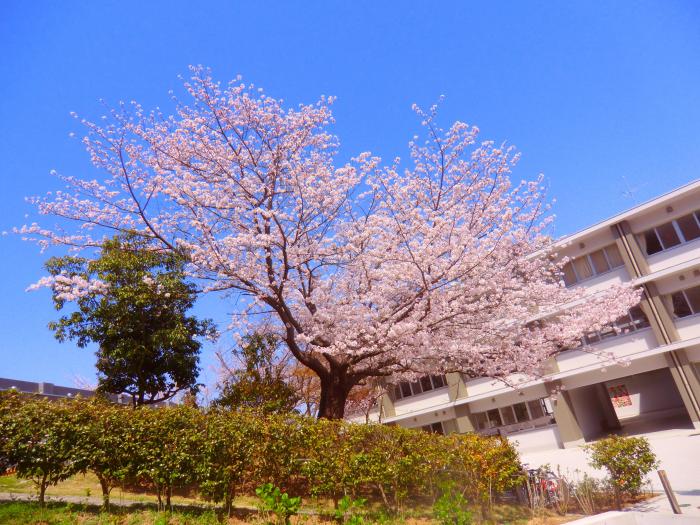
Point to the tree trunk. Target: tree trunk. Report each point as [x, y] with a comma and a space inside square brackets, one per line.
[105, 492]
[42, 492]
[168, 497]
[334, 394]
[228, 502]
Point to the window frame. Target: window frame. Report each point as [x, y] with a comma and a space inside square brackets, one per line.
[591, 265]
[676, 228]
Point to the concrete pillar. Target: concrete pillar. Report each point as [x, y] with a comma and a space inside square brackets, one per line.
[386, 403]
[450, 426]
[457, 388]
[569, 428]
[684, 374]
[463, 419]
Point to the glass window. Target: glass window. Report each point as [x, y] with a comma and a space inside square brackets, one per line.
[681, 308]
[639, 317]
[494, 418]
[535, 409]
[569, 275]
[591, 338]
[405, 389]
[436, 428]
[668, 235]
[425, 383]
[507, 415]
[397, 392]
[415, 387]
[481, 421]
[607, 332]
[439, 381]
[624, 324]
[689, 227]
[693, 297]
[614, 257]
[521, 412]
[600, 263]
[583, 268]
[652, 242]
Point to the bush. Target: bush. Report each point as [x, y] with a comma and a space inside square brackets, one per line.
[452, 508]
[221, 454]
[279, 503]
[40, 439]
[627, 459]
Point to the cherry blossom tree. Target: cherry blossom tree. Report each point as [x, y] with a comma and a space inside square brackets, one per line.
[368, 269]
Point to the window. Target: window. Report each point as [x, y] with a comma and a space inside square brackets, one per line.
[536, 408]
[520, 411]
[673, 233]
[690, 229]
[494, 418]
[592, 264]
[686, 302]
[424, 384]
[435, 428]
[634, 320]
[507, 415]
[512, 414]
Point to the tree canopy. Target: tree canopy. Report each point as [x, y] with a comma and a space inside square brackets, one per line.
[132, 301]
[369, 269]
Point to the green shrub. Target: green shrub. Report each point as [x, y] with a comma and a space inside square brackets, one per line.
[279, 503]
[627, 459]
[452, 508]
[349, 511]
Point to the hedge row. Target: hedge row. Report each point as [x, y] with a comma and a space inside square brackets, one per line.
[220, 453]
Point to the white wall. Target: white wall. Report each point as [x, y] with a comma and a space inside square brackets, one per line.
[673, 256]
[620, 346]
[421, 401]
[536, 439]
[688, 327]
[650, 392]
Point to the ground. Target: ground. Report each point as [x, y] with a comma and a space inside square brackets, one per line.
[678, 452]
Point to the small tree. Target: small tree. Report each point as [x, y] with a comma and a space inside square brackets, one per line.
[166, 448]
[131, 301]
[40, 440]
[260, 383]
[627, 459]
[228, 449]
[104, 442]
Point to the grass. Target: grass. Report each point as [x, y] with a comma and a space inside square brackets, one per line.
[85, 494]
[29, 513]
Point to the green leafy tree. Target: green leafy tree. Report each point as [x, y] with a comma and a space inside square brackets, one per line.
[40, 440]
[166, 446]
[131, 301]
[260, 383]
[228, 449]
[627, 459]
[103, 442]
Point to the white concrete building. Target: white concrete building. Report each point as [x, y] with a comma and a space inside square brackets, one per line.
[655, 245]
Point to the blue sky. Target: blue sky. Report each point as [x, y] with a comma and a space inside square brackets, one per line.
[601, 97]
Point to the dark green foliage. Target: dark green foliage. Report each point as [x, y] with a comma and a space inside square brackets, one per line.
[40, 439]
[259, 384]
[147, 344]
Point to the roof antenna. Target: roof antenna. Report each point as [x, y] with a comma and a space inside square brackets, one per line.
[630, 192]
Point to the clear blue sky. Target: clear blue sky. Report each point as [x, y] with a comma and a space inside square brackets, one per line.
[601, 97]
